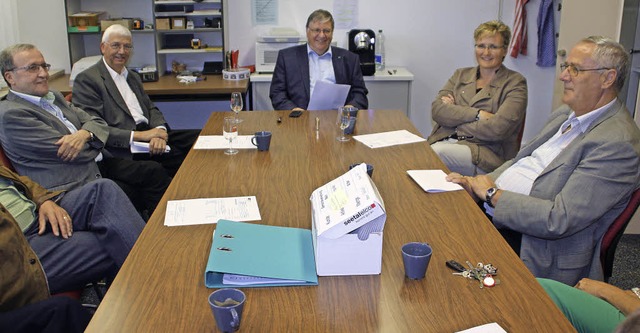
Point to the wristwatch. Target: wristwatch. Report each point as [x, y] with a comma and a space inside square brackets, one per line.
[636, 291]
[491, 192]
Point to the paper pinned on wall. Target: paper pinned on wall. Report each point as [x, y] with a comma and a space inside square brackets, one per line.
[264, 12]
[345, 14]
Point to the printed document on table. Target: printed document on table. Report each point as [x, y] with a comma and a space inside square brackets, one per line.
[386, 139]
[219, 142]
[433, 181]
[210, 210]
[486, 328]
[328, 96]
[143, 147]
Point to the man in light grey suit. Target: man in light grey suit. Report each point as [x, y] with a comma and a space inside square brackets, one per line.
[36, 141]
[562, 191]
[59, 145]
[112, 92]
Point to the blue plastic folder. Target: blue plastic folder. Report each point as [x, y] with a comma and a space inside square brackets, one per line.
[261, 251]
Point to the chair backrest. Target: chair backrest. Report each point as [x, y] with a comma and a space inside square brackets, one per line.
[612, 236]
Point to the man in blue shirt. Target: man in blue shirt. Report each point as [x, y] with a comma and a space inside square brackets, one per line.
[298, 68]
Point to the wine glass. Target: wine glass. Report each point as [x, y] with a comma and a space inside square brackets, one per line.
[230, 132]
[344, 118]
[236, 105]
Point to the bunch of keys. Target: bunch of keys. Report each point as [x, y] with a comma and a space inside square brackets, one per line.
[481, 272]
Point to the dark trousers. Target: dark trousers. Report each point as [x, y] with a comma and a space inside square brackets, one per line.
[180, 142]
[56, 314]
[144, 182]
[513, 238]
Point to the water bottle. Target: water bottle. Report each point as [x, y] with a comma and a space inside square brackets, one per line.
[379, 51]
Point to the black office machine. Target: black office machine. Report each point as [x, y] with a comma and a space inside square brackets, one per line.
[362, 43]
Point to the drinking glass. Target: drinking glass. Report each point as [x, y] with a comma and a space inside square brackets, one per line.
[344, 118]
[230, 132]
[236, 105]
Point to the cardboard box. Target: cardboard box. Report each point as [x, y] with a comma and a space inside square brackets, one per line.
[83, 19]
[348, 218]
[163, 23]
[178, 22]
[126, 22]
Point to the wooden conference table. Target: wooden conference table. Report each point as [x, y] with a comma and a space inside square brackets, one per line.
[161, 288]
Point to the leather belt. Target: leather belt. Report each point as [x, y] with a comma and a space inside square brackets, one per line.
[458, 137]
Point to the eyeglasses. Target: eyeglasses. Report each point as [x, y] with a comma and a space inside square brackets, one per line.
[318, 31]
[34, 68]
[574, 71]
[117, 46]
[491, 47]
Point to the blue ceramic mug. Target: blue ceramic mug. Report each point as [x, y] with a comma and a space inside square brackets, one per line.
[226, 305]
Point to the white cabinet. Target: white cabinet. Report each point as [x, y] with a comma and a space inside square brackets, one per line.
[389, 89]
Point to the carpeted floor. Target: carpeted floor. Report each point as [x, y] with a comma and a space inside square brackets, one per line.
[626, 265]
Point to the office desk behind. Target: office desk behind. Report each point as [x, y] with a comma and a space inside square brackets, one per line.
[168, 88]
[161, 288]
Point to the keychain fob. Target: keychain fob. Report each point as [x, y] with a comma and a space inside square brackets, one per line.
[456, 266]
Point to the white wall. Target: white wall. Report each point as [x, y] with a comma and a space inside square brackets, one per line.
[430, 37]
[43, 23]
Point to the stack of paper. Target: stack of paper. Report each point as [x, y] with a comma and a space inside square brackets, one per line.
[433, 181]
[219, 142]
[210, 210]
[386, 139]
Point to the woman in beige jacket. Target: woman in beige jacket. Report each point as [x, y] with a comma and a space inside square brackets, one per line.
[480, 110]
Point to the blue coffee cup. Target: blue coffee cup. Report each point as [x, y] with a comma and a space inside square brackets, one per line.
[262, 140]
[369, 168]
[416, 257]
[226, 305]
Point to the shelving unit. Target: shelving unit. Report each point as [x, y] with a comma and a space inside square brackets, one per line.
[84, 44]
[174, 44]
[156, 47]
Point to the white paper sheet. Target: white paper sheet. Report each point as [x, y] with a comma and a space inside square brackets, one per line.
[386, 139]
[210, 210]
[219, 142]
[247, 280]
[143, 147]
[433, 181]
[328, 96]
[486, 328]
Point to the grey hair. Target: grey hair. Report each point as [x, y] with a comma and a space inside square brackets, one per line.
[321, 16]
[117, 30]
[6, 57]
[610, 54]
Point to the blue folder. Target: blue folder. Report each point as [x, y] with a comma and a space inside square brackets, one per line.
[261, 250]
